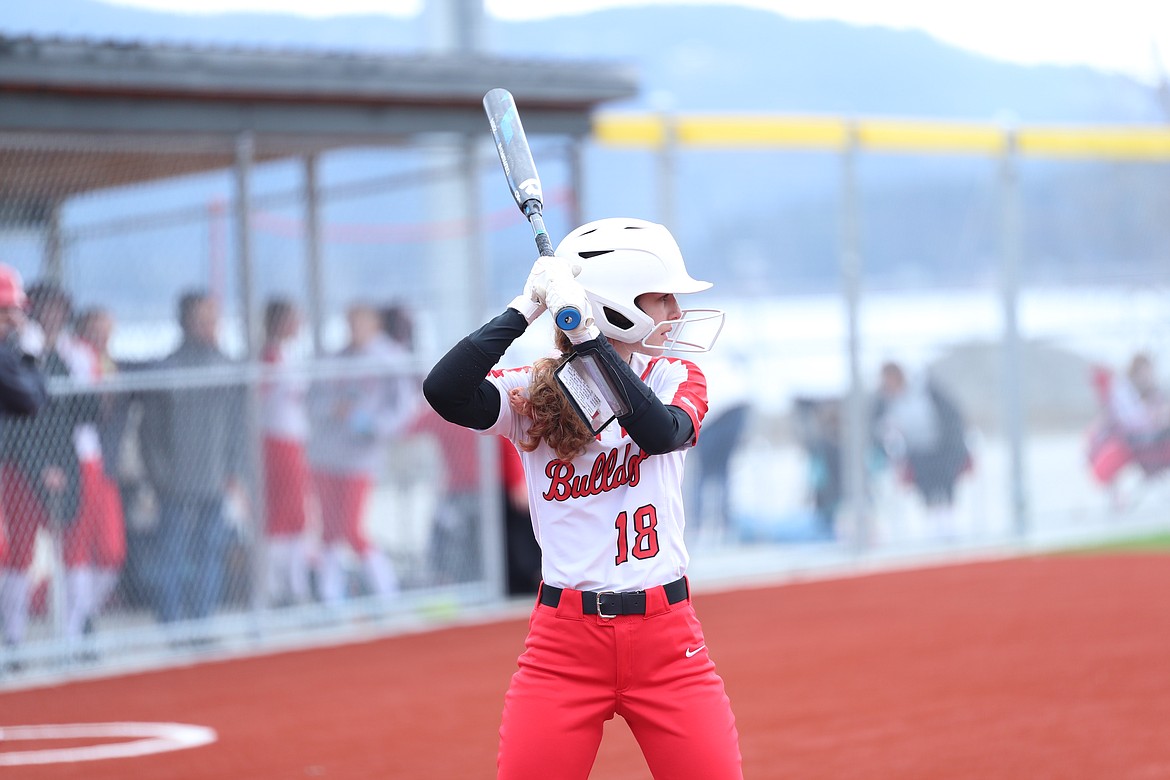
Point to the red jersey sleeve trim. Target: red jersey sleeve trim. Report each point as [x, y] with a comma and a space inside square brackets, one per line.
[691, 393]
[497, 373]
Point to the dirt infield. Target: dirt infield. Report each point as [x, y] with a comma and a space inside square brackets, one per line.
[1053, 667]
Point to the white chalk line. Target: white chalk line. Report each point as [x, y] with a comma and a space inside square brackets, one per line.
[149, 738]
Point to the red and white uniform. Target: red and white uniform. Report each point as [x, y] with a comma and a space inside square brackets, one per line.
[285, 424]
[95, 543]
[355, 419]
[98, 535]
[612, 520]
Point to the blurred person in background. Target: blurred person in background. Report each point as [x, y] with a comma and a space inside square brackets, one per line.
[22, 386]
[920, 429]
[42, 470]
[398, 325]
[94, 545]
[1138, 406]
[192, 443]
[353, 418]
[818, 428]
[118, 424]
[723, 430]
[456, 542]
[521, 550]
[285, 423]
[22, 394]
[1134, 426]
[454, 545]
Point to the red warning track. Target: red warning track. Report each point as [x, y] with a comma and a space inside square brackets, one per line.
[1037, 667]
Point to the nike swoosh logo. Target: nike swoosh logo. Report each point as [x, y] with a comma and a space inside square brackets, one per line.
[691, 652]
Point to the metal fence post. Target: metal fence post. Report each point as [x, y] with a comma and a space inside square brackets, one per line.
[314, 270]
[245, 154]
[1013, 378]
[574, 153]
[253, 486]
[855, 429]
[491, 527]
[53, 263]
[667, 169]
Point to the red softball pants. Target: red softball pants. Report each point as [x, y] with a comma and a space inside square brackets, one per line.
[578, 671]
[98, 535]
[286, 483]
[343, 505]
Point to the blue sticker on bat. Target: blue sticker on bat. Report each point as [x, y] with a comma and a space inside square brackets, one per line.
[506, 124]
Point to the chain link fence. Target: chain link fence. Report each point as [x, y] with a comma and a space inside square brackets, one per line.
[194, 488]
[236, 460]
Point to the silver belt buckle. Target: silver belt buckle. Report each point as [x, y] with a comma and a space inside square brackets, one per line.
[601, 614]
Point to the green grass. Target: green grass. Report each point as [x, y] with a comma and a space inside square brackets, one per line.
[1156, 542]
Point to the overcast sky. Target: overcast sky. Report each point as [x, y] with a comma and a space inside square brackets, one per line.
[1120, 35]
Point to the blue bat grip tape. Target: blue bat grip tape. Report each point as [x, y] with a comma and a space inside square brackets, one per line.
[568, 318]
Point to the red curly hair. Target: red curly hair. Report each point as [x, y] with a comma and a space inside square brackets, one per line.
[553, 419]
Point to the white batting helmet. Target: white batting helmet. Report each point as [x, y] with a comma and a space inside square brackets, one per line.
[622, 258]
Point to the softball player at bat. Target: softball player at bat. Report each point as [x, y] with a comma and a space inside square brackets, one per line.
[613, 630]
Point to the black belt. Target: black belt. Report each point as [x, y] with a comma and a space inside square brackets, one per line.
[610, 603]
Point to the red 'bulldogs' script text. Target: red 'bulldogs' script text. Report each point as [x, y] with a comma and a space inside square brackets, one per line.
[606, 474]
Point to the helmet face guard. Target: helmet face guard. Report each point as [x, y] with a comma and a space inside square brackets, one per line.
[623, 258]
[695, 331]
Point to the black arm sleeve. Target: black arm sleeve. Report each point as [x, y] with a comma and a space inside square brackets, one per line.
[22, 386]
[654, 426]
[457, 386]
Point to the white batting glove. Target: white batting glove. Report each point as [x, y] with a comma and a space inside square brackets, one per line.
[32, 338]
[531, 302]
[565, 292]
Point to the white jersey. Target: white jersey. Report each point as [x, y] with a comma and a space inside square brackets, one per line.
[85, 371]
[612, 518]
[283, 394]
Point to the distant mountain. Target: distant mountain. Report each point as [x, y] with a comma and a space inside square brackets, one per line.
[707, 58]
[926, 221]
[716, 58]
[96, 20]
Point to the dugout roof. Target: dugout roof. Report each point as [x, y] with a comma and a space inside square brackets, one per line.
[139, 111]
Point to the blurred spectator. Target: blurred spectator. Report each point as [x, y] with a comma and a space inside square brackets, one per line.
[1137, 405]
[456, 538]
[119, 417]
[95, 545]
[521, 549]
[353, 418]
[818, 428]
[41, 470]
[94, 327]
[285, 424]
[1134, 426]
[398, 325]
[22, 387]
[727, 414]
[921, 430]
[22, 393]
[455, 543]
[192, 442]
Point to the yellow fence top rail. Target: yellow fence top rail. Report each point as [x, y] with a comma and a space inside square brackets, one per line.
[905, 136]
[1133, 143]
